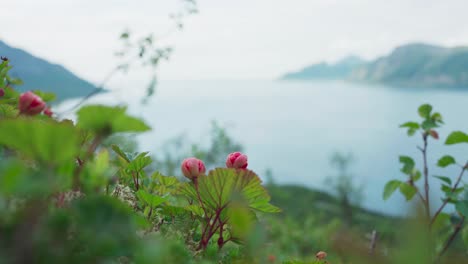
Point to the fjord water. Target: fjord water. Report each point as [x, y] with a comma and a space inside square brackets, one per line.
[293, 127]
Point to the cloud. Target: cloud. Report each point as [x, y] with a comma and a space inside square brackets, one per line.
[240, 39]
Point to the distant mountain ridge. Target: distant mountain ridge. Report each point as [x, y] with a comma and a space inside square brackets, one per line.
[413, 65]
[340, 70]
[38, 73]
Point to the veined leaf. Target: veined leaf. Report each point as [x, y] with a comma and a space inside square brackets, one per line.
[221, 185]
[44, 140]
[140, 162]
[150, 199]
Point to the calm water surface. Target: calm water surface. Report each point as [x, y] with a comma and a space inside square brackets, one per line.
[294, 127]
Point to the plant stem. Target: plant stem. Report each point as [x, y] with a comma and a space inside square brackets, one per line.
[452, 237]
[426, 178]
[460, 176]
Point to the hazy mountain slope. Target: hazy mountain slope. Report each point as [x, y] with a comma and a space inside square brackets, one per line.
[37, 73]
[412, 65]
[339, 70]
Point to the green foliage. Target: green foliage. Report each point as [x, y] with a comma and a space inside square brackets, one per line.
[106, 120]
[46, 141]
[443, 231]
[425, 111]
[456, 137]
[221, 185]
[446, 161]
[390, 188]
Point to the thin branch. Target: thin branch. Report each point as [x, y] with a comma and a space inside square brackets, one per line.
[450, 240]
[460, 176]
[426, 177]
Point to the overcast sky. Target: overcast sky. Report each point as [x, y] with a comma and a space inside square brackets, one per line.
[241, 39]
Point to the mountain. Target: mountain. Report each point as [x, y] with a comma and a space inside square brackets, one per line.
[340, 70]
[39, 74]
[411, 65]
[418, 65]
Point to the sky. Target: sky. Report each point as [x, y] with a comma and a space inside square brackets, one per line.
[241, 39]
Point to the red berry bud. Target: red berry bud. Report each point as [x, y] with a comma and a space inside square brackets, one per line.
[192, 168]
[236, 160]
[48, 112]
[30, 104]
[2, 92]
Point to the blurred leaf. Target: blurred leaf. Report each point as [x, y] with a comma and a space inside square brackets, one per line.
[437, 117]
[390, 188]
[415, 175]
[442, 221]
[465, 235]
[140, 162]
[462, 207]
[195, 209]
[106, 120]
[44, 140]
[444, 179]
[407, 190]
[8, 111]
[425, 110]
[446, 161]
[408, 164]
[119, 152]
[456, 137]
[46, 97]
[150, 199]
[412, 125]
[429, 124]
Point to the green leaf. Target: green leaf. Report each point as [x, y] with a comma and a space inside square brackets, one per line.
[8, 111]
[140, 162]
[444, 179]
[456, 137]
[446, 161]
[408, 164]
[442, 221]
[465, 235]
[429, 124]
[106, 120]
[437, 117]
[415, 175]
[222, 185]
[425, 110]
[390, 188]
[462, 207]
[119, 152]
[195, 209]
[46, 141]
[150, 199]
[407, 190]
[412, 125]
[46, 97]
